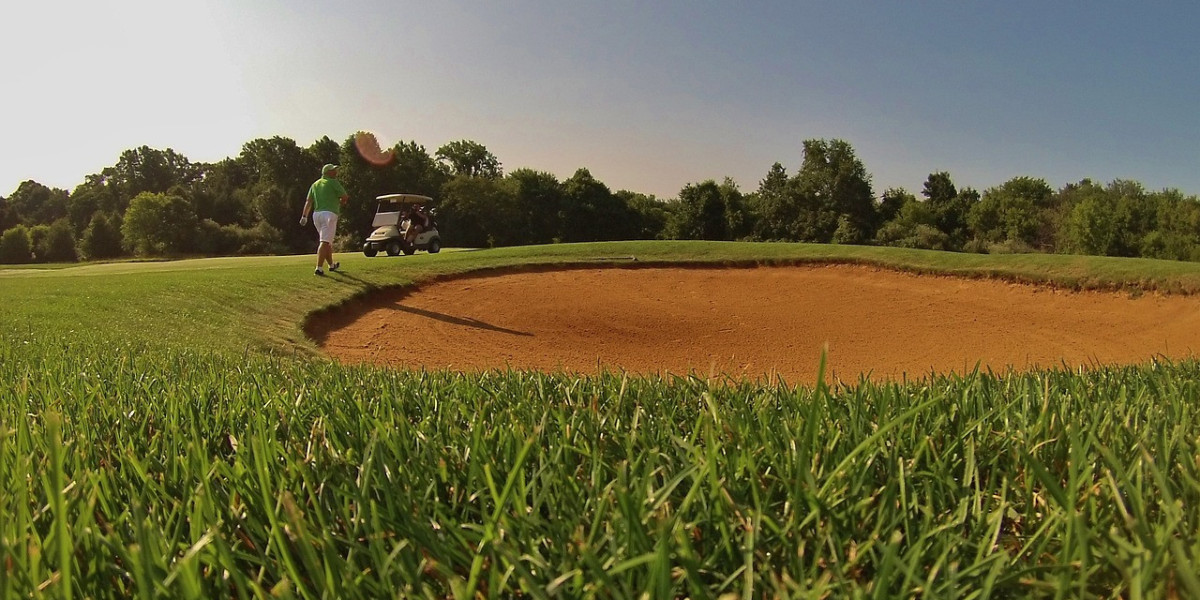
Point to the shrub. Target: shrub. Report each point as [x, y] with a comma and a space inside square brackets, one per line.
[216, 240]
[976, 246]
[1168, 245]
[101, 239]
[847, 232]
[260, 239]
[891, 233]
[58, 243]
[1010, 246]
[15, 246]
[922, 236]
[159, 224]
[37, 240]
[930, 238]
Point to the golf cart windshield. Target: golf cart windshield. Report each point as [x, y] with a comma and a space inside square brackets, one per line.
[403, 199]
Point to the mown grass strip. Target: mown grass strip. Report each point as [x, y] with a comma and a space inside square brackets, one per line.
[260, 304]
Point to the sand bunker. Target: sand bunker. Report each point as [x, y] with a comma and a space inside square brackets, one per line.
[749, 322]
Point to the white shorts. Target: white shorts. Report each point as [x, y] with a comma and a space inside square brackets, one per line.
[326, 224]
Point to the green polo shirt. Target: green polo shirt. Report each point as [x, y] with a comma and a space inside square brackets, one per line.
[326, 194]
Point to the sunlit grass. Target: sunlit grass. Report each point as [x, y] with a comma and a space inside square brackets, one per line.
[165, 432]
[187, 473]
[260, 303]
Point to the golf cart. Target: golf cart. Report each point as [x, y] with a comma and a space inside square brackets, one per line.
[392, 223]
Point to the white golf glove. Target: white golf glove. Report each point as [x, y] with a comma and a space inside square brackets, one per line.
[303, 221]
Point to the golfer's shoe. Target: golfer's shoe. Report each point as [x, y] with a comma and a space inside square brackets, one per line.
[318, 271]
[335, 266]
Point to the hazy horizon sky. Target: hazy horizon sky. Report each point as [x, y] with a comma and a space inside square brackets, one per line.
[649, 96]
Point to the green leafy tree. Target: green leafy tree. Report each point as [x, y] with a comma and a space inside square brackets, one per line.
[591, 212]
[257, 240]
[847, 232]
[1014, 211]
[36, 204]
[1177, 234]
[1092, 226]
[37, 240]
[8, 216]
[949, 206]
[471, 159]
[81, 205]
[702, 212]
[325, 151]
[939, 190]
[221, 194]
[1109, 221]
[833, 182]
[1136, 215]
[913, 226]
[280, 173]
[277, 206]
[890, 204]
[15, 246]
[96, 193]
[101, 239]
[159, 224]
[1065, 201]
[279, 161]
[146, 169]
[540, 199]
[651, 213]
[416, 171]
[57, 244]
[774, 206]
[739, 221]
[478, 212]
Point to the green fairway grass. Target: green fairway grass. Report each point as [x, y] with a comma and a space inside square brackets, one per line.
[166, 430]
[259, 303]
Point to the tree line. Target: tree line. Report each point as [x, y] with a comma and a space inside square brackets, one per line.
[157, 203]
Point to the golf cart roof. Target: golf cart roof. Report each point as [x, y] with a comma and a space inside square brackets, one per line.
[404, 198]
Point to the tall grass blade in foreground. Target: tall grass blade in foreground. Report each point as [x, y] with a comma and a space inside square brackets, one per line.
[176, 473]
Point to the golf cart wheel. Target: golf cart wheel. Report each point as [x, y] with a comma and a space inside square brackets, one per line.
[435, 246]
[393, 249]
[369, 250]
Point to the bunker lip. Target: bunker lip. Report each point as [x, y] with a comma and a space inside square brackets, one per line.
[771, 321]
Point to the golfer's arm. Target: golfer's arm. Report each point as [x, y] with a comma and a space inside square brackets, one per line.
[307, 205]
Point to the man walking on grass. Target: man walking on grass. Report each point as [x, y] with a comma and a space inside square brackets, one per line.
[326, 197]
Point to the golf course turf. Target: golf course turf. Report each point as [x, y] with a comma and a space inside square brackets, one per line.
[168, 429]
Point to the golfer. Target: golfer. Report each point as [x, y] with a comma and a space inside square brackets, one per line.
[326, 197]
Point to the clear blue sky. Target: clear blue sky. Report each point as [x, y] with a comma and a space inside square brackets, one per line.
[650, 96]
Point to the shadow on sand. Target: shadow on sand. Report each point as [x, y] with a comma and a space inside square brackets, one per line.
[463, 321]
